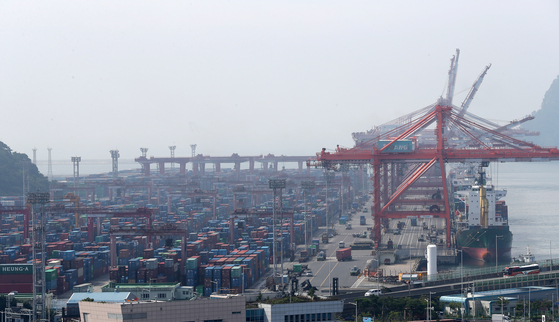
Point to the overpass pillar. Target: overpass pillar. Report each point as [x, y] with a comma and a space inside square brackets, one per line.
[300, 164]
[265, 166]
[162, 167]
[202, 168]
[217, 167]
[251, 165]
[238, 170]
[195, 168]
[276, 166]
[182, 168]
[146, 166]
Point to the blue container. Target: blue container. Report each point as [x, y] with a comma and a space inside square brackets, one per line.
[208, 273]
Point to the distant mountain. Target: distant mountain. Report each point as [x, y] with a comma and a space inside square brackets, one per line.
[547, 118]
[11, 173]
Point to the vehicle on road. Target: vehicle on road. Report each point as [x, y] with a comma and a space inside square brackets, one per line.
[325, 238]
[320, 256]
[362, 220]
[499, 318]
[354, 271]
[348, 226]
[373, 291]
[341, 244]
[307, 274]
[522, 270]
[343, 254]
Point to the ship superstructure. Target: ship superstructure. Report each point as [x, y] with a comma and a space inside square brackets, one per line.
[482, 218]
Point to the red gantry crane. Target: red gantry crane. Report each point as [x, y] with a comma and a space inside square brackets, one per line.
[424, 141]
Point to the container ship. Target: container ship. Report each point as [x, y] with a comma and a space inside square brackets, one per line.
[482, 218]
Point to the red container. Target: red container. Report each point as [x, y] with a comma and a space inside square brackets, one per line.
[16, 278]
[19, 287]
[149, 253]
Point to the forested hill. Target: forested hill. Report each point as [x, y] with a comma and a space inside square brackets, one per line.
[547, 118]
[11, 173]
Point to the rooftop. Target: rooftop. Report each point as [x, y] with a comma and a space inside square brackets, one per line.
[102, 297]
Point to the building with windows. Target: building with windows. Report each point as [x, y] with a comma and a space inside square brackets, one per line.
[223, 308]
[231, 309]
[159, 291]
[314, 311]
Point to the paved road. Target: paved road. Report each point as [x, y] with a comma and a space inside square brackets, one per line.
[324, 271]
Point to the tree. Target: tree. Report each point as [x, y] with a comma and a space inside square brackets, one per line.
[311, 293]
[504, 302]
[11, 173]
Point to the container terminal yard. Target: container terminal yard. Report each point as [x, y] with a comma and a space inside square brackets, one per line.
[352, 219]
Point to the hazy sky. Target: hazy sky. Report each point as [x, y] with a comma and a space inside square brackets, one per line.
[255, 77]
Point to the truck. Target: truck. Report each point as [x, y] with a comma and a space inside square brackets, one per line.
[348, 226]
[320, 256]
[354, 271]
[362, 220]
[343, 254]
[499, 318]
[304, 256]
[325, 238]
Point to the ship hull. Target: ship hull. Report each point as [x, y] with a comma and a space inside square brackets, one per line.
[481, 243]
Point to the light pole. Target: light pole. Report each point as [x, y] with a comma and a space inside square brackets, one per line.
[354, 303]
[307, 187]
[430, 308]
[497, 252]
[276, 184]
[328, 176]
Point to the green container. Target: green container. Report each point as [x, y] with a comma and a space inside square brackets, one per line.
[297, 268]
[55, 253]
[236, 272]
[191, 263]
[177, 243]
[200, 289]
[50, 274]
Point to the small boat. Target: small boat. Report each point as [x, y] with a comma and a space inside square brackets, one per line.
[528, 257]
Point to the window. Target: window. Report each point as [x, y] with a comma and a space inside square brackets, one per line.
[318, 317]
[162, 295]
[323, 316]
[130, 316]
[313, 318]
[145, 296]
[238, 312]
[329, 316]
[286, 318]
[297, 318]
[86, 317]
[308, 318]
